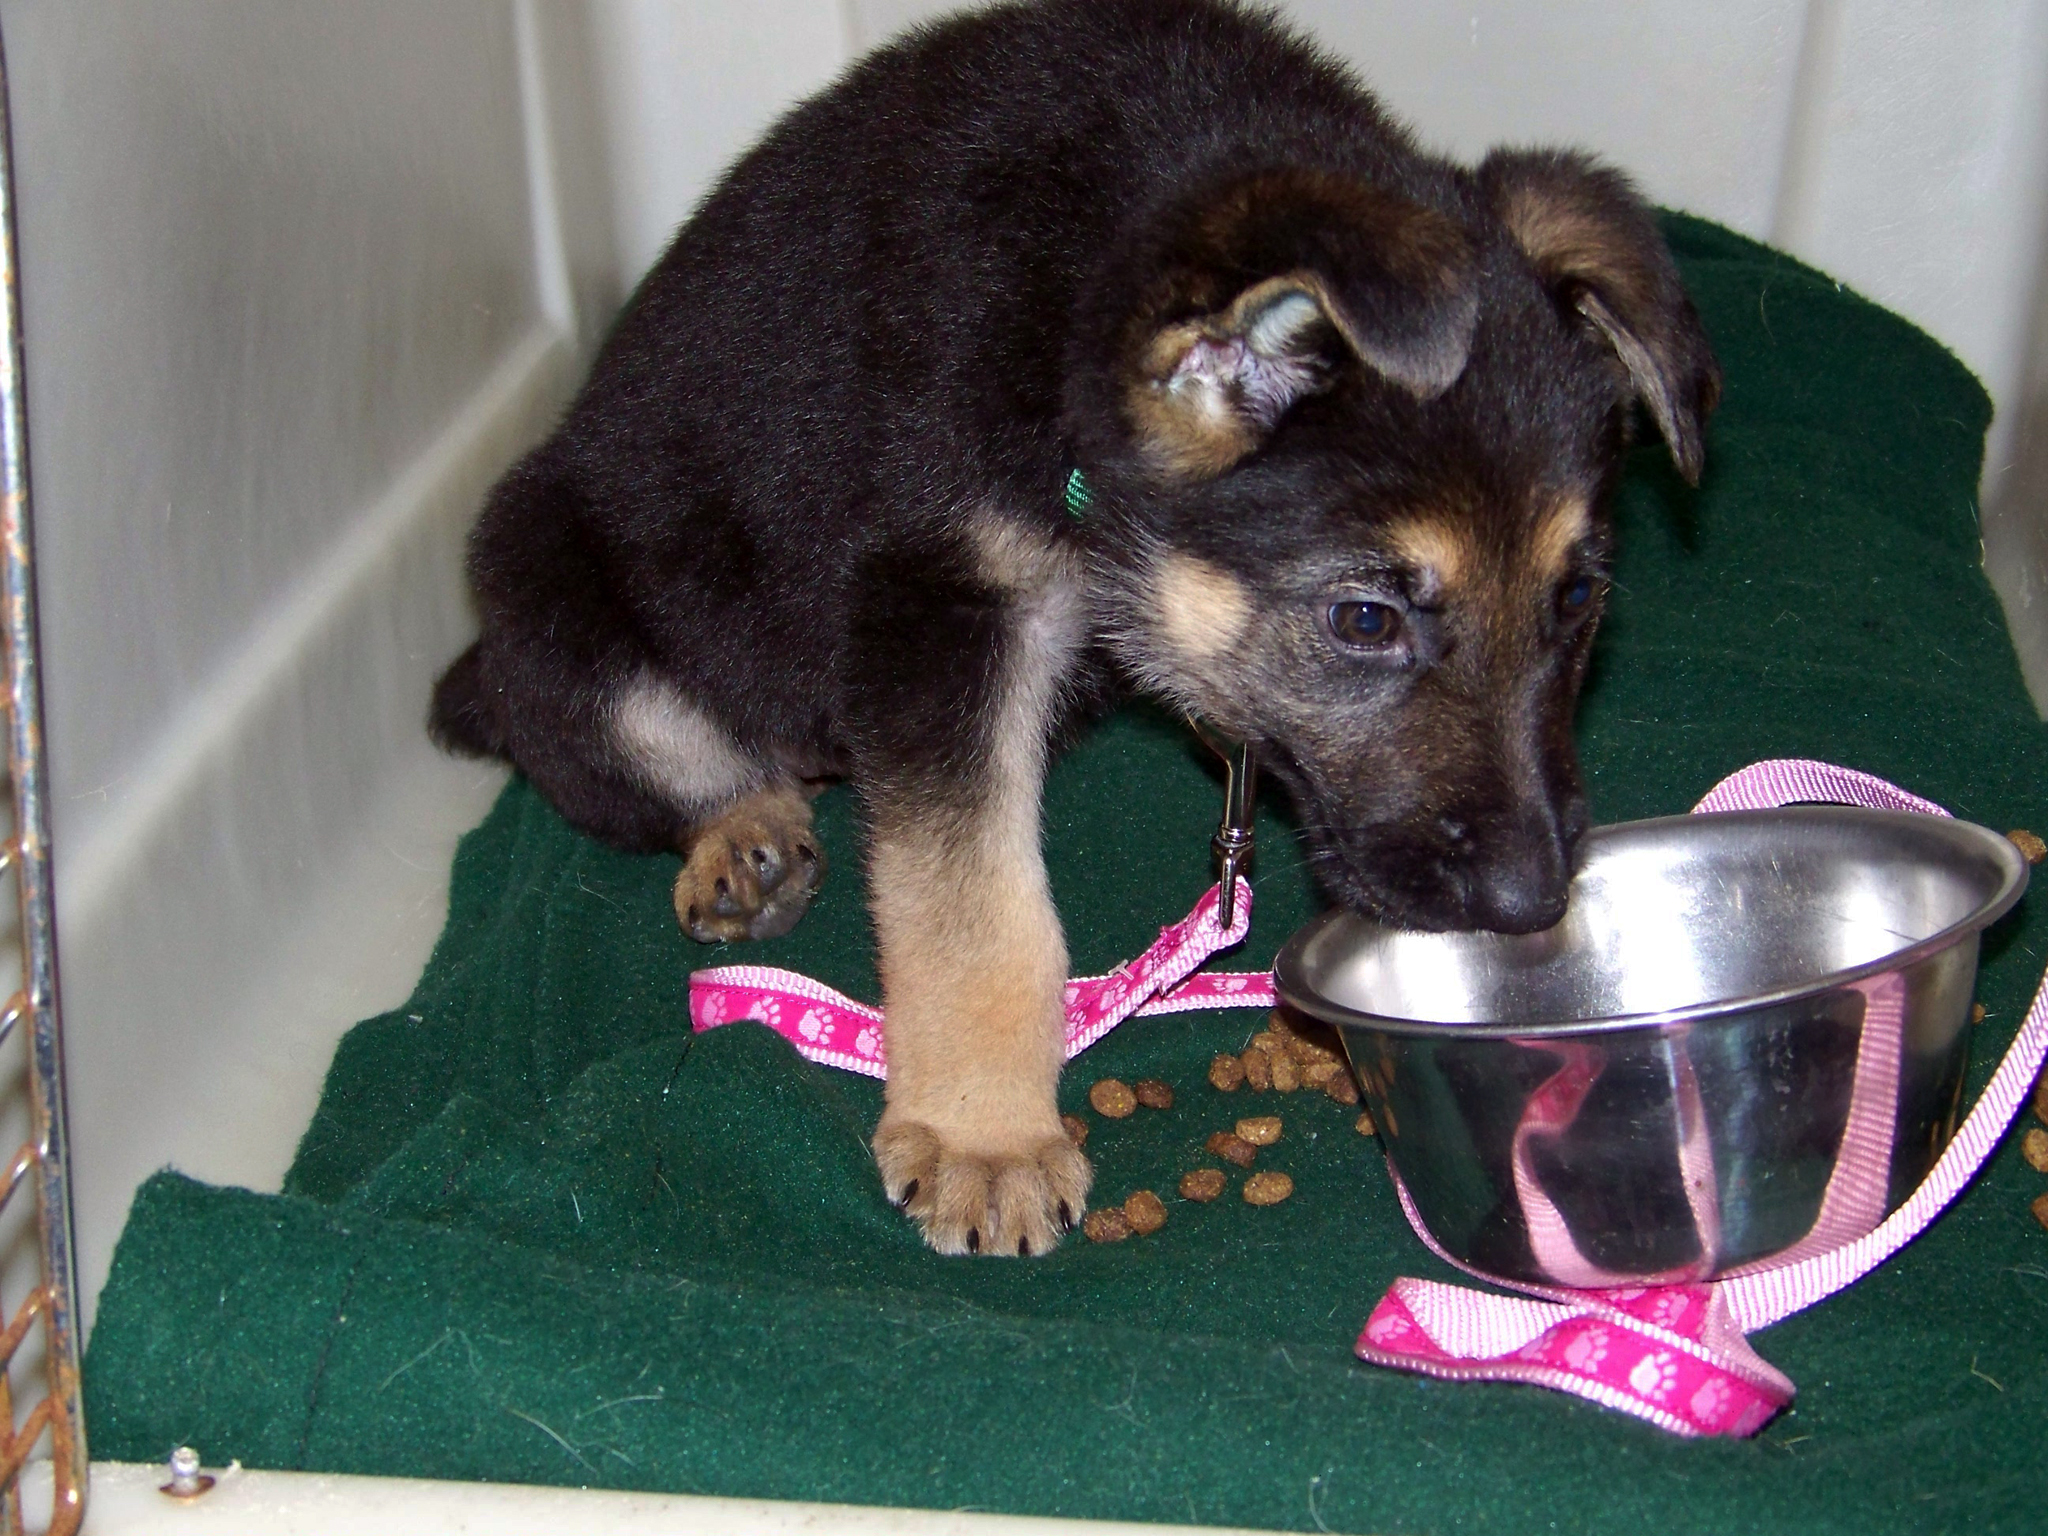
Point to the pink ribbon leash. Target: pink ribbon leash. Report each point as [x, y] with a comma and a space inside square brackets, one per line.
[1677, 1354]
[830, 1027]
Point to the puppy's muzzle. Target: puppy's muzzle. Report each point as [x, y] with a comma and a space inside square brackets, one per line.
[1508, 870]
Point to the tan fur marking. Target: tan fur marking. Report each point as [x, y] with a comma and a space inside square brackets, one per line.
[1183, 436]
[1567, 237]
[1438, 548]
[1202, 610]
[1017, 559]
[1557, 531]
[972, 963]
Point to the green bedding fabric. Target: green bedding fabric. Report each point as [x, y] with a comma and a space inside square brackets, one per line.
[537, 1232]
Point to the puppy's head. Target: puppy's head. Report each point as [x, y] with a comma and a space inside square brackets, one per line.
[1360, 446]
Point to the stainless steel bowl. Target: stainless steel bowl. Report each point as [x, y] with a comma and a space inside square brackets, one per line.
[1745, 1040]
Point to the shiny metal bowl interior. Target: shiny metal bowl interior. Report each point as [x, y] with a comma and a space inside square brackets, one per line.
[1708, 966]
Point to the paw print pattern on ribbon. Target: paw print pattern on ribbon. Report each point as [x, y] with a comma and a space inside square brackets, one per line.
[1587, 1351]
[1654, 1375]
[1388, 1328]
[1710, 1403]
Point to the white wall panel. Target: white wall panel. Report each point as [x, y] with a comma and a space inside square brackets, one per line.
[685, 87]
[1692, 100]
[266, 250]
[1919, 171]
[869, 22]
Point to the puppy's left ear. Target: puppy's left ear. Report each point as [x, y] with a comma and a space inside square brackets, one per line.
[1272, 286]
[1596, 246]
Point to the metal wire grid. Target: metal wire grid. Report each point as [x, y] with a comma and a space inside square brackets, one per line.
[42, 1161]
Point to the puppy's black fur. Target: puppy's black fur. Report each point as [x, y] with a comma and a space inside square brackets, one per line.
[1348, 416]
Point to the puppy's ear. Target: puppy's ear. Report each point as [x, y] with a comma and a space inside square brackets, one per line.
[1596, 246]
[1349, 272]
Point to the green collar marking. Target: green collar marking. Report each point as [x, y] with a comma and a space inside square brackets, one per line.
[1078, 496]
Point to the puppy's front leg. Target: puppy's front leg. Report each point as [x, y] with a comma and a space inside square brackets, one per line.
[972, 961]
[973, 968]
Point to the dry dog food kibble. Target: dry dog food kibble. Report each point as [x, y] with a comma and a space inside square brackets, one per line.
[1341, 1088]
[1976, 1013]
[1364, 1126]
[1260, 1130]
[1267, 1187]
[1258, 1069]
[2040, 1209]
[1112, 1098]
[1201, 1184]
[1286, 1073]
[1154, 1094]
[1233, 1149]
[1227, 1073]
[1076, 1129]
[1109, 1225]
[2034, 1148]
[2030, 846]
[1145, 1212]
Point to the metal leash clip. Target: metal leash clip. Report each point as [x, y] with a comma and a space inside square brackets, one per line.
[1233, 839]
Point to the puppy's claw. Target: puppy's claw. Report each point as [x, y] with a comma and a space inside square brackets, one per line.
[983, 1203]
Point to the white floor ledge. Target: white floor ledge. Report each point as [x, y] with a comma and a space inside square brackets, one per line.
[126, 1499]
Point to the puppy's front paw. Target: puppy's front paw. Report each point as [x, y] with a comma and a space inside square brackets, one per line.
[750, 873]
[1020, 1202]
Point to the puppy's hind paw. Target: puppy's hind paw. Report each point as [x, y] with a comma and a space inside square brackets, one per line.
[1019, 1203]
[752, 871]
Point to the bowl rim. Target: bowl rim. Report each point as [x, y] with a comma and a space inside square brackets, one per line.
[1292, 986]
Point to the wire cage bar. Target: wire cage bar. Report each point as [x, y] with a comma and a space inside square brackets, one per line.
[42, 1162]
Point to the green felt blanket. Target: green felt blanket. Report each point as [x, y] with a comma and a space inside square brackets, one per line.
[537, 1232]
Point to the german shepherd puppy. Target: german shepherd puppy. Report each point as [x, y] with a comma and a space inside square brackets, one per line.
[1347, 417]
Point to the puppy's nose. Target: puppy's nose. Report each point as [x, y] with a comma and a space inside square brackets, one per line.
[1523, 886]
[1510, 901]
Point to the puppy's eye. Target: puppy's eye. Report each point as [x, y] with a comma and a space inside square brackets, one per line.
[1574, 596]
[1364, 624]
